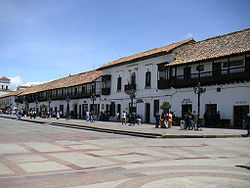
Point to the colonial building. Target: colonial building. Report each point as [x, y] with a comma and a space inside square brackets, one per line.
[135, 77]
[74, 94]
[4, 85]
[222, 67]
[218, 66]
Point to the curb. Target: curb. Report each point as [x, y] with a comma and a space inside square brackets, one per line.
[114, 131]
[124, 132]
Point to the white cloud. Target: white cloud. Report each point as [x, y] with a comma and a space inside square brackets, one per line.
[15, 81]
[32, 83]
[189, 35]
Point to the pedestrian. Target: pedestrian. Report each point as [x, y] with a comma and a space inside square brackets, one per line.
[117, 115]
[87, 115]
[248, 124]
[157, 119]
[195, 120]
[124, 116]
[91, 117]
[57, 115]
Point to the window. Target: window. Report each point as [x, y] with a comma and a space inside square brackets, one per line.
[133, 79]
[162, 75]
[119, 83]
[75, 91]
[7, 87]
[148, 79]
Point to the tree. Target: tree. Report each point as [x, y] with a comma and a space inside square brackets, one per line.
[42, 107]
[165, 106]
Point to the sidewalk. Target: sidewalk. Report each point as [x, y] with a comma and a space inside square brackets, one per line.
[143, 130]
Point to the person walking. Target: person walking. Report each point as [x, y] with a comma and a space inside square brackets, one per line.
[157, 119]
[91, 117]
[117, 116]
[57, 115]
[248, 124]
[124, 116]
[87, 115]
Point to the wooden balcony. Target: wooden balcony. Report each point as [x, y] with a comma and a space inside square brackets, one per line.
[232, 75]
[105, 91]
[129, 87]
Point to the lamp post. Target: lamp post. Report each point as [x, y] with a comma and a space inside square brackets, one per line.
[199, 90]
[132, 94]
[67, 100]
[49, 112]
[36, 105]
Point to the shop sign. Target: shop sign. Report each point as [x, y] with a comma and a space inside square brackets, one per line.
[241, 102]
[186, 101]
[139, 101]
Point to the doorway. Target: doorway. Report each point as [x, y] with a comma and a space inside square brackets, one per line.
[147, 112]
[240, 113]
[119, 110]
[185, 108]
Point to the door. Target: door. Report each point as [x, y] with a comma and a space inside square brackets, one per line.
[240, 113]
[147, 113]
[80, 112]
[185, 108]
[119, 110]
[156, 106]
[75, 111]
[84, 110]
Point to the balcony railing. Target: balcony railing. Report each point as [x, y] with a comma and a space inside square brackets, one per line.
[105, 91]
[129, 87]
[207, 78]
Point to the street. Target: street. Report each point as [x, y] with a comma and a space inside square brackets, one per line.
[42, 155]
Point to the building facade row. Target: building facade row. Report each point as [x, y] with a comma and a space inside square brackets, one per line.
[142, 82]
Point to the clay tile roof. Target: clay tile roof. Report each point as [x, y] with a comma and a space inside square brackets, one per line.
[71, 80]
[4, 78]
[13, 93]
[224, 45]
[164, 49]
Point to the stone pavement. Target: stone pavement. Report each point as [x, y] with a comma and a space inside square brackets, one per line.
[145, 130]
[41, 155]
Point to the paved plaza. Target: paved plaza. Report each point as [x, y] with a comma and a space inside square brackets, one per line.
[42, 155]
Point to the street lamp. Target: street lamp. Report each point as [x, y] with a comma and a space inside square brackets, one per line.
[199, 90]
[49, 111]
[67, 100]
[132, 94]
[36, 105]
[93, 98]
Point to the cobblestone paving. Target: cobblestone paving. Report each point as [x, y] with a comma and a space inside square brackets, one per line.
[35, 155]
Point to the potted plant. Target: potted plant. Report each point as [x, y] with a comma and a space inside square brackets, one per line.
[165, 106]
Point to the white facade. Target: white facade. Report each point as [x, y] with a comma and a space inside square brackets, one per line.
[4, 86]
[145, 95]
[228, 98]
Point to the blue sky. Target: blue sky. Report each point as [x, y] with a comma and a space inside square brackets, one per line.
[42, 40]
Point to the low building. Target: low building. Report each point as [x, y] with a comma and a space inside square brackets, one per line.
[74, 94]
[218, 67]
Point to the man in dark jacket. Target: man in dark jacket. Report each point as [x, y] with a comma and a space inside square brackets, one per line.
[248, 124]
